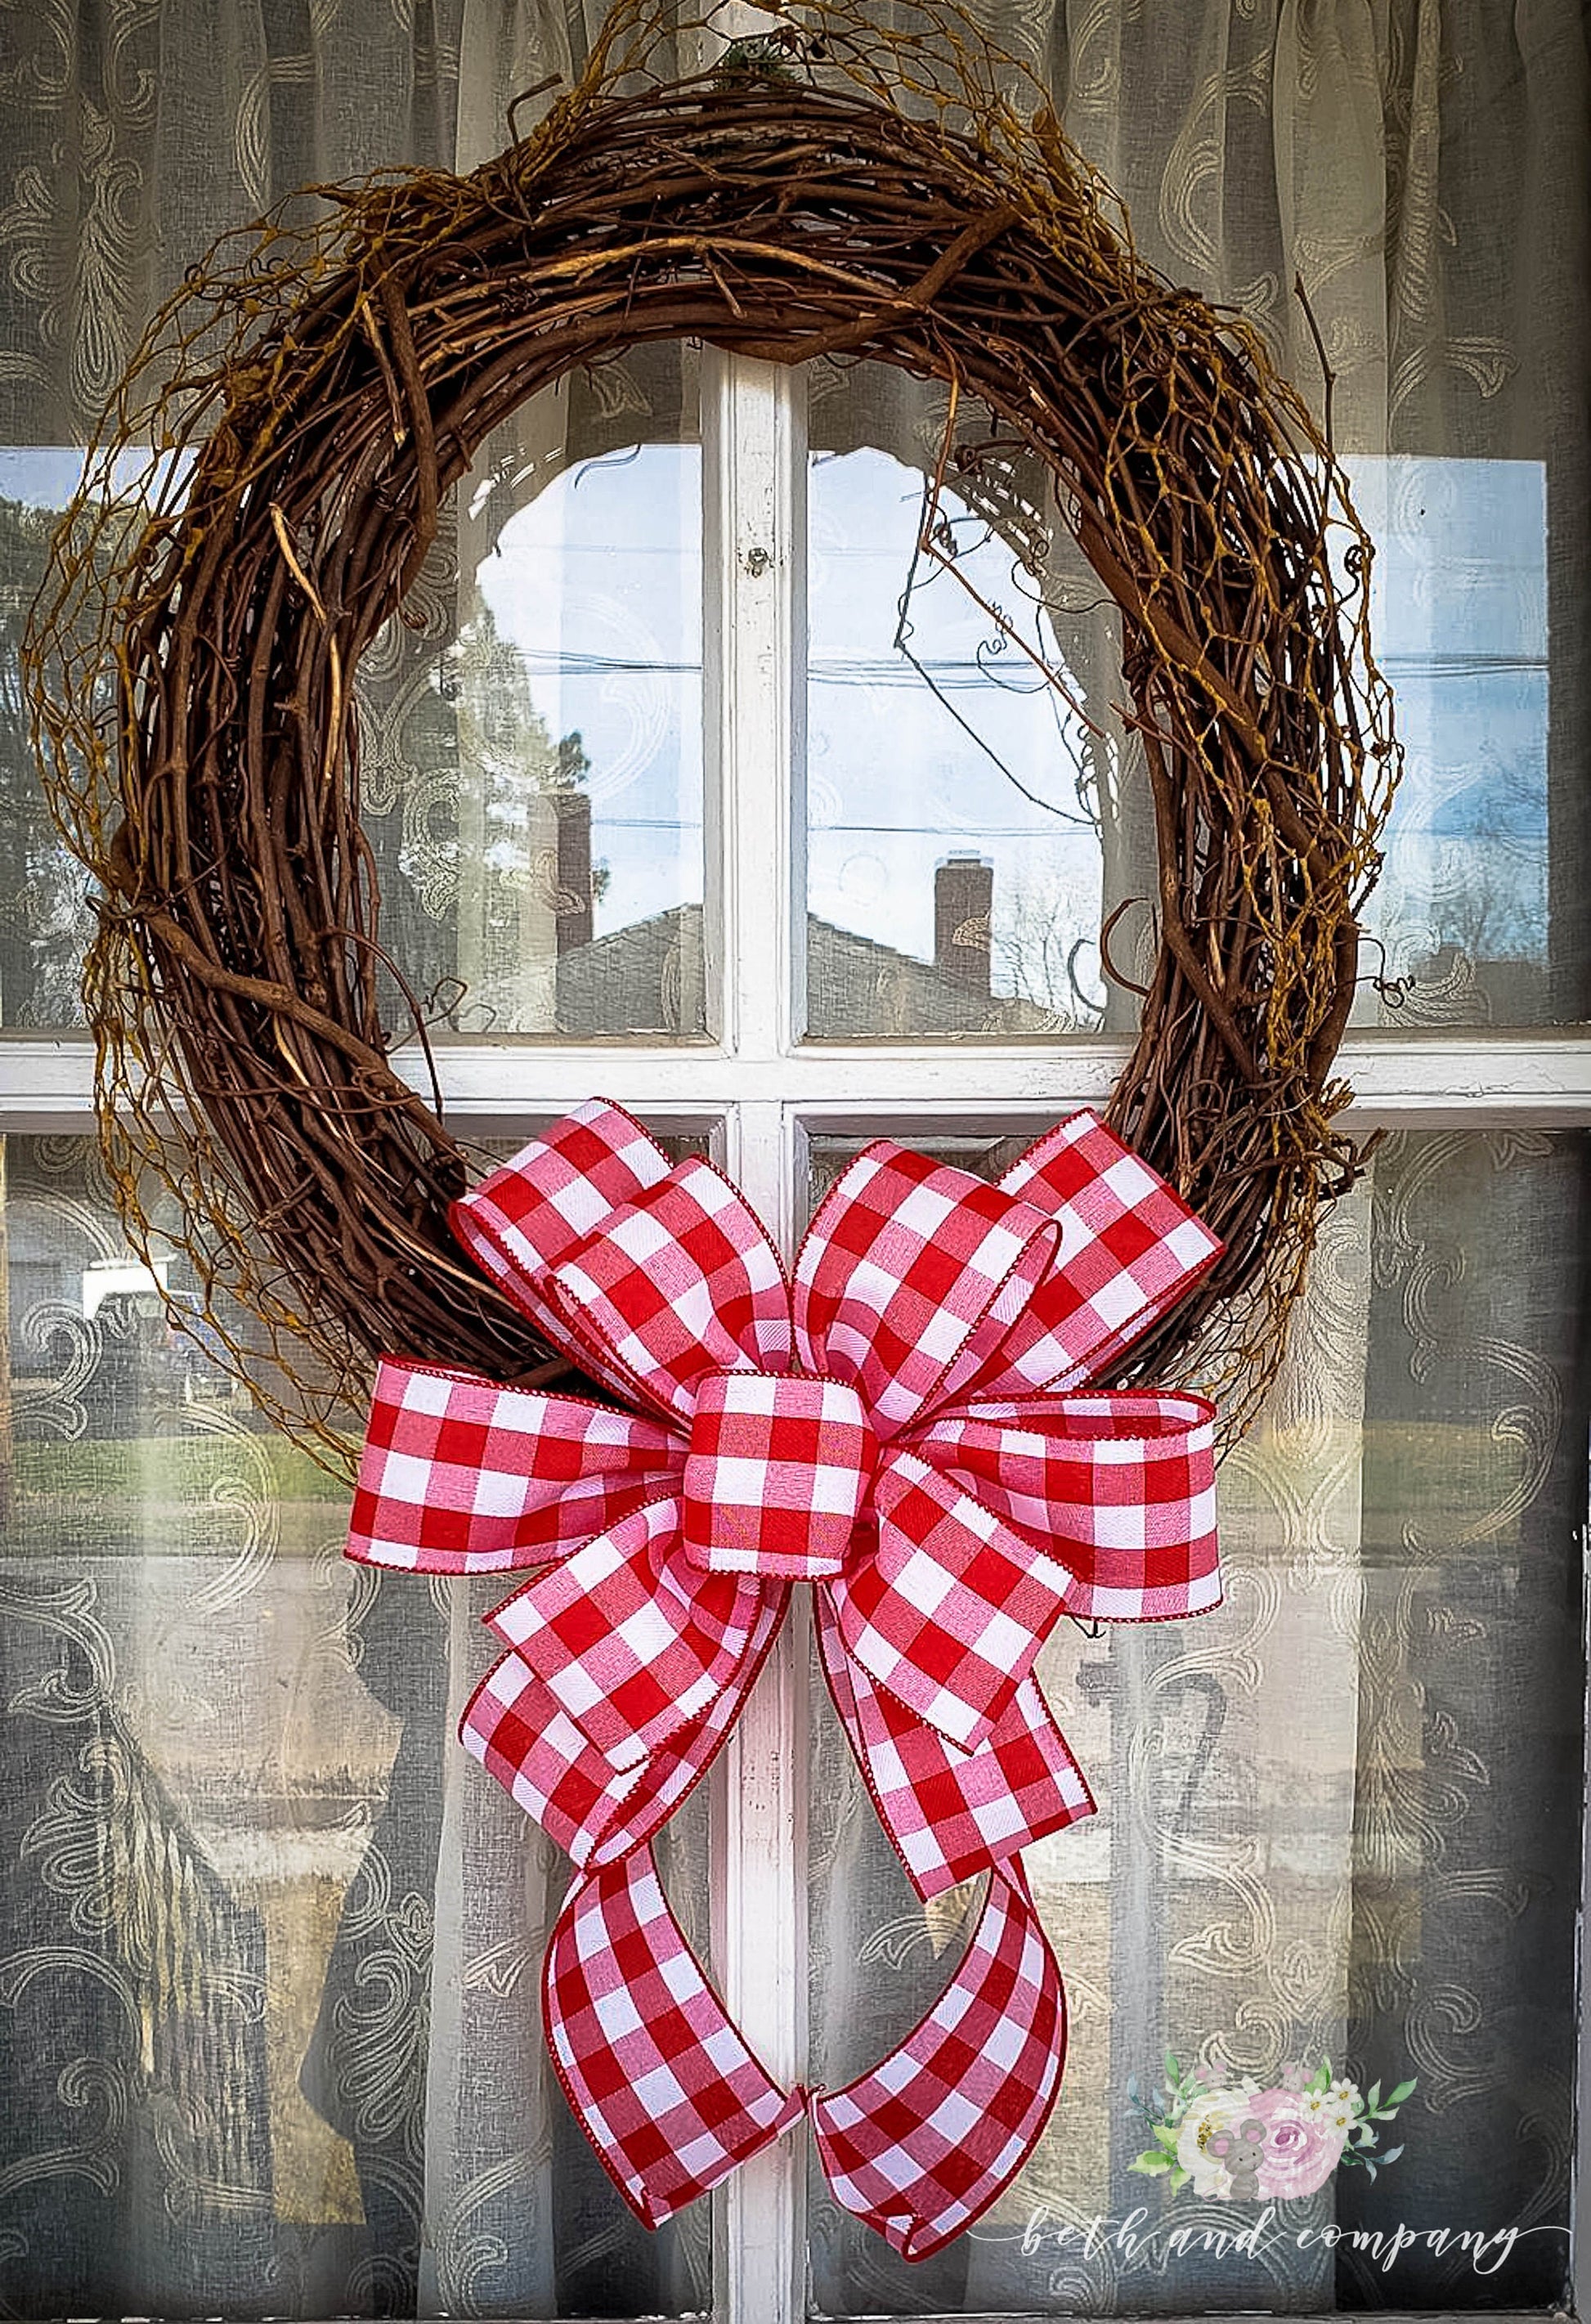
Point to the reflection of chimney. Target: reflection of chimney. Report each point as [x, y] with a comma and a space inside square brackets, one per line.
[963, 898]
[573, 908]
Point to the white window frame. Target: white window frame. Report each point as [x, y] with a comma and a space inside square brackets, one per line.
[763, 1093]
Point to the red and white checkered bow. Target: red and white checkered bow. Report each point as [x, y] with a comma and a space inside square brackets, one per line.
[899, 1425]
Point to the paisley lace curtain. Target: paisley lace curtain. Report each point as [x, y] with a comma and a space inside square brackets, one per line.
[268, 2011]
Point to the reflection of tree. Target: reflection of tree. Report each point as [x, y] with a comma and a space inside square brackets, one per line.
[1044, 952]
[1464, 902]
[1488, 870]
[499, 729]
[523, 882]
[474, 812]
[41, 932]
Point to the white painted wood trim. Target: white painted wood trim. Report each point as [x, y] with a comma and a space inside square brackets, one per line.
[754, 491]
[753, 472]
[1489, 1080]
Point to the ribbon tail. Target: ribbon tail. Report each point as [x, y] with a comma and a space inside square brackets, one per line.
[659, 2076]
[951, 1814]
[922, 2144]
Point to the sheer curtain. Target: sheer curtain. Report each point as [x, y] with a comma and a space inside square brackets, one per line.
[1342, 1822]
[267, 1942]
[268, 1999]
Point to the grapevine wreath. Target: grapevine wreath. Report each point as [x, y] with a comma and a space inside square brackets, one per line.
[301, 409]
[943, 1420]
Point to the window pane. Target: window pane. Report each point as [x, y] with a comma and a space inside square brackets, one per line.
[969, 827]
[1460, 923]
[532, 762]
[530, 735]
[45, 923]
[955, 851]
[270, 1941]
[1339, 1817]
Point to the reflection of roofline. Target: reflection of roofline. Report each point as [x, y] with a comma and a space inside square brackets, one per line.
[886, 955]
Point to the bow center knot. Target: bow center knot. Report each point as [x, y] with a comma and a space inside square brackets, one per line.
[779, 1466]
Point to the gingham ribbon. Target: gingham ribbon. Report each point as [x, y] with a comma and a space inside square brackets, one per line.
[900, 1425]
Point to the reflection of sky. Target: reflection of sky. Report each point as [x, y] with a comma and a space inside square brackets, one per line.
[896, 782]
[38, 475]
[47, 476]
[1458, 619]
[598, 582]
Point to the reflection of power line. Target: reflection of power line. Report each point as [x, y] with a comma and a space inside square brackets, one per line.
[864, 830]
[674, 552]
[1462, 665]
[937, 830]
[577, 665]
[958, 673]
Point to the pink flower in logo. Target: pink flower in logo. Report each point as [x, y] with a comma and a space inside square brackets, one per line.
[1302, 2148]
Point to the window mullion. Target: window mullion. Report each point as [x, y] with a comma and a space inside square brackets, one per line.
[754, 596]
[754, 457]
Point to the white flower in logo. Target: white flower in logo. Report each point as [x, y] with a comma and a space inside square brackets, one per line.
[1221, 2110]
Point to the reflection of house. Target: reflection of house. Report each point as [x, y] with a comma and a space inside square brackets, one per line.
[122, 1280]
[94, 1354]
[648, 978]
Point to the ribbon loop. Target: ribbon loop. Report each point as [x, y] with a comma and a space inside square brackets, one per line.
[950, 1814]
[1129, 1249]
[593, 1809]
[1125, 1483]
[902, 1263]
[950, 1613]
[461, 1476]
[928, 1472]
[678, 1285]
[521, 1221]
[631, 1649]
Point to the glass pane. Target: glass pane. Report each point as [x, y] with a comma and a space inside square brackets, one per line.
[270, 1941]
[530, 735]
[45, 923]
[1339, 1817]
[955, 798]
[970, 827]
[1459, 926]
[532, 758]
